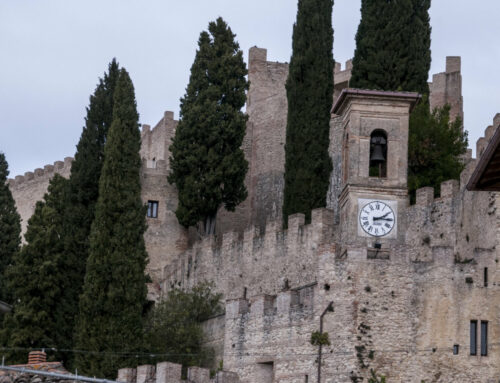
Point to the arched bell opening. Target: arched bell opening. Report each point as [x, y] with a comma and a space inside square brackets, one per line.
[378, 154]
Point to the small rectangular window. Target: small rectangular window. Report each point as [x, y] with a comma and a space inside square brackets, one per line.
[485, 277]
[484, 338]
[473, 337]
[307, 379]
[455, 349]
[152, 209]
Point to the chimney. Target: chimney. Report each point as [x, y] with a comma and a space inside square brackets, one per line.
[37, 357]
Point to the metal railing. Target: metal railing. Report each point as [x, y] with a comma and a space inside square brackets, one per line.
[24, 370]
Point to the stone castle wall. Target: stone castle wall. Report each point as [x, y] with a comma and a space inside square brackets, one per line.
[30, 188]
[165, 238]
[166, 372]
[446, 88]
[399, 310]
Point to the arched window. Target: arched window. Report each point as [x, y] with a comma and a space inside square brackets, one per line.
[378, 154]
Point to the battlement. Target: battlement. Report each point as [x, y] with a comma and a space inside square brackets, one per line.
[338, 66]
[482, 142]
[155, 142]
[267, 259]
[48, 171]
[446, 88]
[295, 301]
[167, 372]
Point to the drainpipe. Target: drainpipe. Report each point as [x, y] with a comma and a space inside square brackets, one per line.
[329, 308]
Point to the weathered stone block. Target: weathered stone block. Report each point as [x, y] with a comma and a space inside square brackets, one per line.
[145, 373]
[286, 300]
[453, 64]
[127, 375]
[480, 146]
[168, 372]
[28, 176]
[236, 307]
[198, 375]
[489, 132]
[496, 120]
[425, 196]
[260, 305]
[449, 189]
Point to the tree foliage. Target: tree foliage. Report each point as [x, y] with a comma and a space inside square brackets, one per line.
[393, 46]
[37, 277]
[310, 93]
[208, 165]
[82, 197]
[435, 148]
[114, 291]
[10, 228]
[174, 325]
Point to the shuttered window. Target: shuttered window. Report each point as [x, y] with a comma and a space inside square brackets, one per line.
[484, 338]
[473, 337]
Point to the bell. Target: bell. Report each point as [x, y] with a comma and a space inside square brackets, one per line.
[378, 150]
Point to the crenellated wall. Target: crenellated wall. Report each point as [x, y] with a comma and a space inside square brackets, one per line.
[253, 263]
[399, 310]
[166, 372]
[31, 187]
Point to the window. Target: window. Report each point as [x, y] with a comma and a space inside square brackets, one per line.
[473, 337]
[455, 349]
[378, 154]
[152, 209]
[484, 338]
[485, 277]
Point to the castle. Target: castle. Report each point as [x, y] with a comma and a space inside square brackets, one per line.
[417, 301]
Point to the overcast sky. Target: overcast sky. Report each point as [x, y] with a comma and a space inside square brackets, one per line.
[53, 51]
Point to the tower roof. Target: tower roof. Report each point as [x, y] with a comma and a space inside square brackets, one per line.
[349, 93]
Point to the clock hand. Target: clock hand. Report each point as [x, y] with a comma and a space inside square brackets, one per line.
[382, 219]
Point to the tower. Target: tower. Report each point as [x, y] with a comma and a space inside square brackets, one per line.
[374, 165]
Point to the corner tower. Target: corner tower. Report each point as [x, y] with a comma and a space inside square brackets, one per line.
[374, 164]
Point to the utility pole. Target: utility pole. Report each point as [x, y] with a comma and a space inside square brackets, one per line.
[329, 308]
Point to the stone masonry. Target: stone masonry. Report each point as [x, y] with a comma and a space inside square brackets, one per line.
[403, 304]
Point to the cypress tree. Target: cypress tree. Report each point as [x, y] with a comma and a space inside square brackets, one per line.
[81, 200]
[310, 93]
[10, 228]
[393, 46]
[208, 165]
[36, 277]
[114, 291]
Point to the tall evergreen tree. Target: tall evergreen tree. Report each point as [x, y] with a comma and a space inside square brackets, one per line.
[208, 165]
[10, 228]
[393, 46]
[310, 93]
[36, 278]
[114, 292]
[436, 146]
[81, 200]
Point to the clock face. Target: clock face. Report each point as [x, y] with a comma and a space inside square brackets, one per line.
[377, 218]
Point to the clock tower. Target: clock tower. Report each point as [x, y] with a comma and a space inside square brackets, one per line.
[374, 165]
